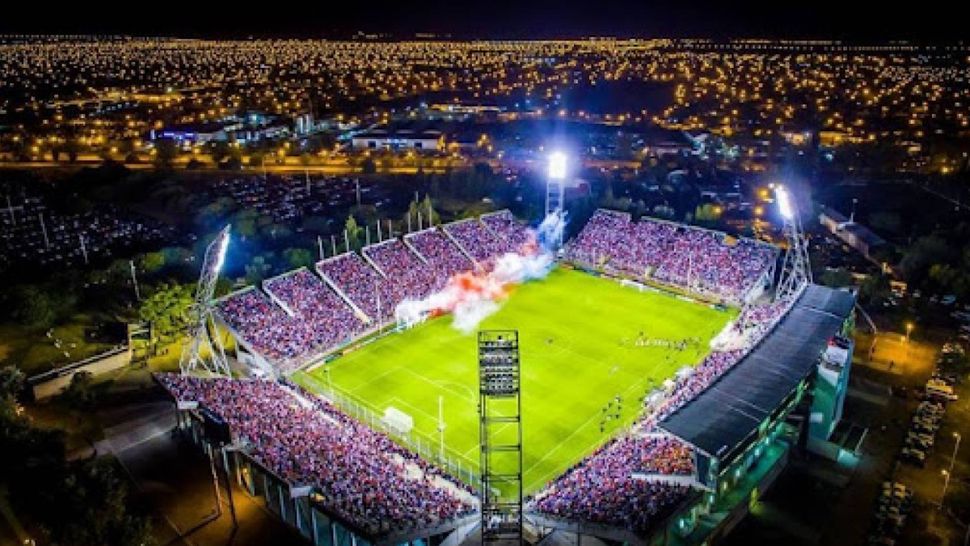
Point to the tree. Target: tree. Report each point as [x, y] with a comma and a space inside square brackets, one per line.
[353, 232]
[79, 394]
[708, 213]
[244, 223]
[167, 309]
[836, 278]
[298, 257]
[922, 254]
[874, 289]
[165, 153]
[151, 262]
[425, 208]
[257, 270]
[368, 166]
[33, 306]
[11, 383]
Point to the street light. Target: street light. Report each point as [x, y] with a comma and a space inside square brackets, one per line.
[956, 447]
[909, 330]
[946, 483]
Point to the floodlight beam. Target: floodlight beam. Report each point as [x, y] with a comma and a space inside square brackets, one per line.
[784, 203]
[557, 165]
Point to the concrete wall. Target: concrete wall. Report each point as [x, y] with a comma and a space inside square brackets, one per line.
[52, 383]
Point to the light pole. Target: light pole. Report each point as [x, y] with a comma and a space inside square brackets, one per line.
[956, 447]
[909, 330]
[946, 483]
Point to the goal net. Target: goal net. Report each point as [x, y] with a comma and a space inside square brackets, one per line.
[397, 421]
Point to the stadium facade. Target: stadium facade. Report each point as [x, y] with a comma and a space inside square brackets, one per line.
[781, 390]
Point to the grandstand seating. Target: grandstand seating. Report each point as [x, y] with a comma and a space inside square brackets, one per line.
[446, 258]
[695, 259]
[265, 325]
[508, 230]
[330, 319]
[478, 241]
[408, 275]
[373, 294]
[602, 487]
[364, 477]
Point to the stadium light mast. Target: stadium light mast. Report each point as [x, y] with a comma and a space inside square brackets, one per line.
[204, 334]
[500, 408]
[796, 269]
[556, 173]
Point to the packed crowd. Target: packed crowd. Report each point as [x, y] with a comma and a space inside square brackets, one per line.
[412, 278]
[441, 253]
[478, 241]
[366, 288]
[322, 320]
[265, 325]
[602, 489]
[691, 258]
[504, 225]
[363, 476]
[328, 317]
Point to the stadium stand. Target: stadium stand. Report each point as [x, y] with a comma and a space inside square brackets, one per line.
[385, 274]
[366, 288]
[720, 418]
[508, 230]
[477, 241]
[408, 275]
[447, 259]
[265, 326]
[690, 258]
[330, 319]
[602, 487]
[364, 478]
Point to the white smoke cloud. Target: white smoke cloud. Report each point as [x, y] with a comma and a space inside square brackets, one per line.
[473, 297]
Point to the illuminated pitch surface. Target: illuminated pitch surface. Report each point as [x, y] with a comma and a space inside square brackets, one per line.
[578, 345]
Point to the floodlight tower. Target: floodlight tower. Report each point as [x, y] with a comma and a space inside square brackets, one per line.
[202, 326]
[556, 185]
[796, 271]
[500, 436]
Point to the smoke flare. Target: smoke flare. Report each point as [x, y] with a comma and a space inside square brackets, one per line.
[471, 297]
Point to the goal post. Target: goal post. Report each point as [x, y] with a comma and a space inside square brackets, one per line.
[397, 421]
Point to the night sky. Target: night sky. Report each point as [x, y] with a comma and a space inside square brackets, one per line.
[863, 20]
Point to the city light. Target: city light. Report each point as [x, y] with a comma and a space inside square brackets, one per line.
[557, 165]
[784, 203]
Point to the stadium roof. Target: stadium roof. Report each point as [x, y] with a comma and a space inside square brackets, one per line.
[729, 411]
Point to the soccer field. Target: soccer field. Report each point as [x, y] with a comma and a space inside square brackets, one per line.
[578, 343]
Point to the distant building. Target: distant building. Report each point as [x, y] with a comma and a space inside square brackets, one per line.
[857, 236]
[404, 139]
[249, 127]
[192, 133]
[303, 124]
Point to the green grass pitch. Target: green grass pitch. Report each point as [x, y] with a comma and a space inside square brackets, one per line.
[577, 340]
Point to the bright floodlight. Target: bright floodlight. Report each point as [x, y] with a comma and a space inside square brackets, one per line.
[221, 251]
[557, 165]
[784, 202]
